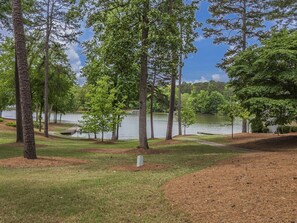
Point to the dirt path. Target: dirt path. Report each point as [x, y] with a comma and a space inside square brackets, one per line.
[255, 187]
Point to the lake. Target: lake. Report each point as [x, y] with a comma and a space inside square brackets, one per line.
[129, 127]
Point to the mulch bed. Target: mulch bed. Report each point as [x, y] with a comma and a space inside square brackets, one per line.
[41, 161]
[145, 167]
[265, 142]
[253, 187]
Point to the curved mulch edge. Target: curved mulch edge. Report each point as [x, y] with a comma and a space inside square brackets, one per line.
[255, 187]
[126, 151]
[41, 161]
[145, 167]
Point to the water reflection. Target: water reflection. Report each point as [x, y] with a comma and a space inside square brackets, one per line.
[129, 127]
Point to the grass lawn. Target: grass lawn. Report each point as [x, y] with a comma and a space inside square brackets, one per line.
[93, 192]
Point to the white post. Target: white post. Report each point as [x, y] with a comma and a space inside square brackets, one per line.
[140, 161]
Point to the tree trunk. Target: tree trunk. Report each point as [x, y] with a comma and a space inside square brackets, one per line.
[244, 45]
[19, 127]
[143, 143]
[61, 117]
[118, 129]
[172, 91]
[46, 90]
[232, 128]
[114, 130]
[36, 112]
[185, 130]
[152, 104]
[171, 108]
[102, 136]
[40, 117]
[0, 113]
[24, 82]
[179, 88]
[56, 115]
[50, 10]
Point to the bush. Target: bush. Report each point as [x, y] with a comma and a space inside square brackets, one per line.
[257, 125]
[293, 128]
[36, 125]
[1, 119]
[11, 124]
[283, 129]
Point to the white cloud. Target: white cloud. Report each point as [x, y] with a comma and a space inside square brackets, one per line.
[201, 80]
[199, 38]
[216, 77]
[74, 59]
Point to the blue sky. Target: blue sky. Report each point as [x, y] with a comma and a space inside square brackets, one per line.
[199, 67]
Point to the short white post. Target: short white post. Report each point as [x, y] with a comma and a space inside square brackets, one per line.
[140, 161]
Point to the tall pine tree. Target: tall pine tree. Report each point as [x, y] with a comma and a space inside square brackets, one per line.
[234, 23]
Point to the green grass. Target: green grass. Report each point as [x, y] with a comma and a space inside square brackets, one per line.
[93, 192]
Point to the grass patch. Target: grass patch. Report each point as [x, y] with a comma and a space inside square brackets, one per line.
[93, 192]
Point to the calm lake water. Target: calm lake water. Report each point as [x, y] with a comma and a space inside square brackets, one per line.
[129, 127]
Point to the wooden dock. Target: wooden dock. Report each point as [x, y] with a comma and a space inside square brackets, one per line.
[70, 131]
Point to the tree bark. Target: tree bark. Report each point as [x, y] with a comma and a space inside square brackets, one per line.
[171, 108]
[50, 9]
[19, 127]
[36, 112]
[180, 93]
[143, 143]
[173, 85]
[244, 45]
[152, 104]
[40, 117]
[25, 92]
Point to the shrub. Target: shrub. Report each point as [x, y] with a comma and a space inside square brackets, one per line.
[11, 124]
[283, 129]
[257, 125]
[293, 128]
[1, 119]
[36, 125]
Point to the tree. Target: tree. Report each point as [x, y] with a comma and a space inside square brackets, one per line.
[264, 78]
[232, 109]
[26, 102]
[187, 28]
[53, 20]
[188, 117]
[283, 12]
[235, 23]
[100, 115]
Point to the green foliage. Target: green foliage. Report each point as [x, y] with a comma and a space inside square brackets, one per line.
[206, 102]
[6, 73]
[257, 125]
[264, 78]
[104, 112]
[283, 129]
[188, 117]
[1, 119]
[11, 124]
[36, 125]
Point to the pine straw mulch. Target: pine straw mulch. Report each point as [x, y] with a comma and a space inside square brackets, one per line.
[145, 167]
[253, 187]
[126, 151]
[41, 161]
[264, 142]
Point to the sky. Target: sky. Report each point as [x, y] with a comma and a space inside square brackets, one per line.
[199, 67]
